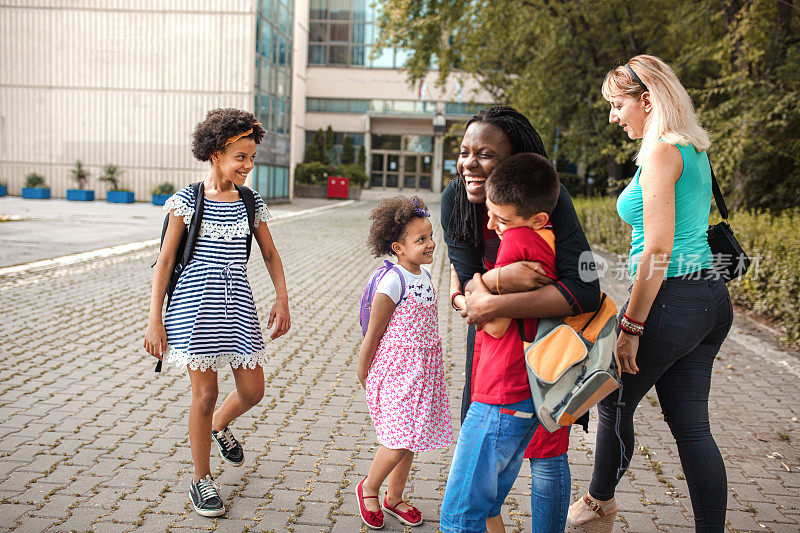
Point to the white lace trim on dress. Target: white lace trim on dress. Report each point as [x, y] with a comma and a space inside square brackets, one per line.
[262, 215]
[183, 358]
[175, 203]
[224, 232]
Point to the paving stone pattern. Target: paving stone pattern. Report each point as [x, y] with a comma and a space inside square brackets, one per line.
[92, 439]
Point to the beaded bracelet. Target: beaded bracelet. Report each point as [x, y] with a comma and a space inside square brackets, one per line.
[453, 300]
[632, 320]
[631, 327]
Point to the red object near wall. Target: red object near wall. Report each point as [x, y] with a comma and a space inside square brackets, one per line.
[337, 186]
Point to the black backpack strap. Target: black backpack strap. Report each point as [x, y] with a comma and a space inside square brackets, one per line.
[193, 231]
[723, 209]
[521, 328]
[249, 200]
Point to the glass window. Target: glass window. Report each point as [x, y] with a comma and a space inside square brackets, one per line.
[319, 9]
[340, 9]
[362, 33]
[418, 143]
[400, 58]
[338, 55]
[386, 142]
[281, 59]
[391, 180]
[284, 19]
[340, 33]
[317, 32]
[362, 10]
[316, 55]
[359, 58]
[385, 59]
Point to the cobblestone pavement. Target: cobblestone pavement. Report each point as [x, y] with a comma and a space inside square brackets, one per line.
[92, 439]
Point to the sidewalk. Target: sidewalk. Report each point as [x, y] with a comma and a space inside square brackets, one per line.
[43, 229]
[92, 440]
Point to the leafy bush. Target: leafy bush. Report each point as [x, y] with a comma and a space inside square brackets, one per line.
[164, 189]
[770, 289]
[312, 173]
[80, 175]
[34, 180]
[111, 175]
[316, 173]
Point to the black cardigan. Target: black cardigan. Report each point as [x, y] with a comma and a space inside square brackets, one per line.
[582, 296]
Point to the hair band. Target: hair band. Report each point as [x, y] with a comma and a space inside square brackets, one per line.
[243, 134]
[637, 78]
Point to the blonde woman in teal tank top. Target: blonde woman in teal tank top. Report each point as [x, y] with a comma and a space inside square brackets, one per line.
[679, 311]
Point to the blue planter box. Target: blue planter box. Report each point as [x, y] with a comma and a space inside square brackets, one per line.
[3, 190]
[160, 199]
[119, 197]
[36, 193]
[79, 195]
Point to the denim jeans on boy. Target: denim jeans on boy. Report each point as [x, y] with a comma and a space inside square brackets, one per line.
[688, 322]
[548, 506]
[485, 464]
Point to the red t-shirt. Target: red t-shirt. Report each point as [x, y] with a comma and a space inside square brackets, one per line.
[499, 374]
[543, 444]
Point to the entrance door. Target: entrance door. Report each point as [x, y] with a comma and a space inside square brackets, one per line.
[402, 163]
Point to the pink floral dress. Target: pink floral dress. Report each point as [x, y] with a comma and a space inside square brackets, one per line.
[406, 389]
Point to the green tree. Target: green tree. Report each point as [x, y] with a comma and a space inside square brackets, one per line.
[314, 151]
[327, 147]
[362, 156]
[111, 175]
[739, 59]
[80, 175]
[348, 154]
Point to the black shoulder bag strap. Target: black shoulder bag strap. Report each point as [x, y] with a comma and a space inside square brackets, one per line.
[721, 207]
[249, 200]
[190, 238]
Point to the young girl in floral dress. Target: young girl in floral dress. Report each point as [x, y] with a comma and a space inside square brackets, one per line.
[400, 362]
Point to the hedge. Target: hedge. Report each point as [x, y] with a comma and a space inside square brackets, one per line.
[770, 289]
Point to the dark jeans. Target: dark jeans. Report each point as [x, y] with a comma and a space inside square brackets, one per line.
[466, 397]
[686, 326]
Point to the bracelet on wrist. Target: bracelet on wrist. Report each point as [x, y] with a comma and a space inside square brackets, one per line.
[453, 300]
[625, 316]
[630, 327]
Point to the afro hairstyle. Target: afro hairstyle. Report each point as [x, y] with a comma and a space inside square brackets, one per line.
[211, 134]
[389, 221]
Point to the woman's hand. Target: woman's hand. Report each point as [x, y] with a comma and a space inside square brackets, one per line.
[627, 347]
[479, 303]
[523, 276]
[279, 315]
[455, 283]
[155, 339]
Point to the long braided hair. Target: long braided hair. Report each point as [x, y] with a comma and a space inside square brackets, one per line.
[466, 220]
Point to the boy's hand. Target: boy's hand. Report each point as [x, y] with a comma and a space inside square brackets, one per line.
[155, 340]
[279, 315]
[523, 276]
[479, 303]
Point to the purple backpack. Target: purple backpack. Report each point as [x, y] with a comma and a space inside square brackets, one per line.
[372, 285]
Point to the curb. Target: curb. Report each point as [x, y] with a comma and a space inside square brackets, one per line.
[126, 248]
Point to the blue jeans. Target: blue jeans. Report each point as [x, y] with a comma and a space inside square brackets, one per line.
[485, 464]
[550, 494]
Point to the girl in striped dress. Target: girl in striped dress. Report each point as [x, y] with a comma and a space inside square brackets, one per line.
[212, 320]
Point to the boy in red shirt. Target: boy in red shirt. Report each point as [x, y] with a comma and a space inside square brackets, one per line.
[521, 193]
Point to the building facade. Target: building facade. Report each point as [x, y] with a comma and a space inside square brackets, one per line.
[337, 84]
[124, 83]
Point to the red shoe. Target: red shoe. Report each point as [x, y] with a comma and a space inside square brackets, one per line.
[410, 517]
[373, 519]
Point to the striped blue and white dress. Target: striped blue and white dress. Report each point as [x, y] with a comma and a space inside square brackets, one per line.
[212, 320]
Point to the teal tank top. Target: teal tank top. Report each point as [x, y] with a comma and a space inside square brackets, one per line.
[690, 251]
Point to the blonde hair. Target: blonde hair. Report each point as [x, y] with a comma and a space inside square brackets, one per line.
[672, 117]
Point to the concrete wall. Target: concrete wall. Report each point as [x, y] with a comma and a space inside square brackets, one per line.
[107, 81]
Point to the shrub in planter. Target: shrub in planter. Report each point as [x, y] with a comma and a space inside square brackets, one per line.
[35, 187]
[116, 195]
[161, 192]
[80, 176]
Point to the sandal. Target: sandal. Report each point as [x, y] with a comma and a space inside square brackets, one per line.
[373, 519]
[410, 517]
[588, 516]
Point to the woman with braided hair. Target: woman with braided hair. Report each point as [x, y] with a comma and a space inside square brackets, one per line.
[492, 135]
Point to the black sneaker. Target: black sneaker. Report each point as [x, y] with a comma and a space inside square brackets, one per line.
[205, 498]
[229, 447]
